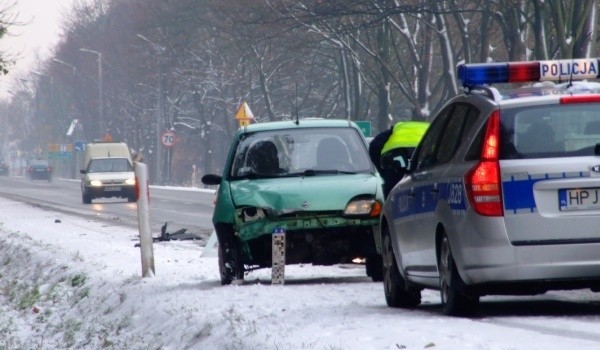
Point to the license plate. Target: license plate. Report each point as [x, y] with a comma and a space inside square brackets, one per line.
[112, 188]
[579, 199]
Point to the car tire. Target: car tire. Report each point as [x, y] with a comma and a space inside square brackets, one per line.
[86, 198]
[374, 267]
[455, 301]
[394, 285]
[231, 267]
[131, 198]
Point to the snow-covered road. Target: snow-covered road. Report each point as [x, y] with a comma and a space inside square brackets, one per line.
[66, 282]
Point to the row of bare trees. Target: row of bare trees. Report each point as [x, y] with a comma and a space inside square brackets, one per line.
[138, 67]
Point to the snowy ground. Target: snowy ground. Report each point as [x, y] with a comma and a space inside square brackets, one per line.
[66, 282]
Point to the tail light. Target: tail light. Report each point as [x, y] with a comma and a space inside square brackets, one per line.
[483, 184]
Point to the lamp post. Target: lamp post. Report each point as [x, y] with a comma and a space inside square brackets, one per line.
[65, 64]
[159, 50]
[100, 107]
[74, 124]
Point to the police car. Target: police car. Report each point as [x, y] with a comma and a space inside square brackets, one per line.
[502, 195]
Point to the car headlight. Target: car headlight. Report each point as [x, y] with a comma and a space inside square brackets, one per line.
[369, 207]
[252, 213]
[130, 181]
[96, 183]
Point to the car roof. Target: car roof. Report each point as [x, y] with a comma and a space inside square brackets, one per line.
[302, 123]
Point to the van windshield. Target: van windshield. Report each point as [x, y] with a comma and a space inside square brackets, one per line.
[109, 165]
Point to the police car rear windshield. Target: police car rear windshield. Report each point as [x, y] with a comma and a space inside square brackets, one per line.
[550, 131]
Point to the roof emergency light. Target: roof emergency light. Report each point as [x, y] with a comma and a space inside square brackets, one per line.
[528, 71]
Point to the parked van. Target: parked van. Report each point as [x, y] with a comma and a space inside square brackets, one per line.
[108, 172]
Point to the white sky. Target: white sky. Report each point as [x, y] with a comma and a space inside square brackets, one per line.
[39, 34]
[90, 295]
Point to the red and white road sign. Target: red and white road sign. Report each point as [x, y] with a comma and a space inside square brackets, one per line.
[167, 138]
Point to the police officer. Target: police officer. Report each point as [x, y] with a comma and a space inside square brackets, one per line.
[391, 149]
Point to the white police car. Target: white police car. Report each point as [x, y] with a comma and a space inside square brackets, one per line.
[503, 191]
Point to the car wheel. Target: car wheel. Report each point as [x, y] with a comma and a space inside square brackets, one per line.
[455, 301]
[231, 267]
[374, 266]
[396, 293]
[131, 198]
[86, 198]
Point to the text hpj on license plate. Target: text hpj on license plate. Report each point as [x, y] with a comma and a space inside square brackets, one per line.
[579, 199]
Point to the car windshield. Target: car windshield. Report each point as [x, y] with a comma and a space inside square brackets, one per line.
[550, 131]
[300, 152]
[107, 165]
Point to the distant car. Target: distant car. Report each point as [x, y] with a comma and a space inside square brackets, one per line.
[39, 170]
[312, 179]
[502, 194]
[4, 169]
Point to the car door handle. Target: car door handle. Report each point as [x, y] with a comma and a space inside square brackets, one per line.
[410, 195]
[435, 190]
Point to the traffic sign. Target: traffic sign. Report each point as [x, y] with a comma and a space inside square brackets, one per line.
[167, 138]
[365, 127]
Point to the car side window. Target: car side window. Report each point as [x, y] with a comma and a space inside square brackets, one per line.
[426, 153]
[460, 122]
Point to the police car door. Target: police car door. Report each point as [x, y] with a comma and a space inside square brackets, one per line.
[416, 232]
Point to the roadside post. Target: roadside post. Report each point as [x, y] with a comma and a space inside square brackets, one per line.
[278, 256]
[143, 199]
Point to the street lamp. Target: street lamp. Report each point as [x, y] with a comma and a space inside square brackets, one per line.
[100, 107]
[159, 50]
[65, 64]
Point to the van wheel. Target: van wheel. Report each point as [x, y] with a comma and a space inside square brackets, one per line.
[455, 301]
[394, 285]
[231, 267]
[86, 198]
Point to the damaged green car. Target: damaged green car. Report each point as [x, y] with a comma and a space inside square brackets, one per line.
[311, 178]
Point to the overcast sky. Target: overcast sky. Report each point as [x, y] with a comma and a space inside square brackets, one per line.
[36, 37]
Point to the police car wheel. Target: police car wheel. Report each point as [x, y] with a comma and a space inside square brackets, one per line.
[455, 301]
[396, 294]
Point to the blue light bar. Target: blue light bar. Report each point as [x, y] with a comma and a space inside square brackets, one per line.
[528, 71]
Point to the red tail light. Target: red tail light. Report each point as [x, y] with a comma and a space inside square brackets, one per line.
[483, 184]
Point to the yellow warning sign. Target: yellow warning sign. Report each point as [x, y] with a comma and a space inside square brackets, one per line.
[244, 115]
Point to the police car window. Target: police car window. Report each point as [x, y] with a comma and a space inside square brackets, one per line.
[426, 156]
[550, 131]
[451, 137]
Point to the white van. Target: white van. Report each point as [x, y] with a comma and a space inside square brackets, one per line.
[108, 172]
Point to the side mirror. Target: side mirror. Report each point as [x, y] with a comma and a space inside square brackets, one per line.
[82, 171]
[211, 179]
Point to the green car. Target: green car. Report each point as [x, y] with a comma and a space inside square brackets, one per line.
[311, 179]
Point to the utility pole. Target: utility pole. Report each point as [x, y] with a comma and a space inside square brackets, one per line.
[159, 108]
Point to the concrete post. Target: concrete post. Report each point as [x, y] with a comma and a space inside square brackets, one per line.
[143, 200]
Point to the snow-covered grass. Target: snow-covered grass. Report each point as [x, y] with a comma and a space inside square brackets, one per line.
[67, 282]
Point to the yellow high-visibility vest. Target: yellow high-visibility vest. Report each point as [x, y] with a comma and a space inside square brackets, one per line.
[405, 134]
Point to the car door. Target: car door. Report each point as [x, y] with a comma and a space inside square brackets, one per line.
[417, 195]
[434, 186]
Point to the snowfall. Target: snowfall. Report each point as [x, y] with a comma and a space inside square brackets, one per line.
[72, 283]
